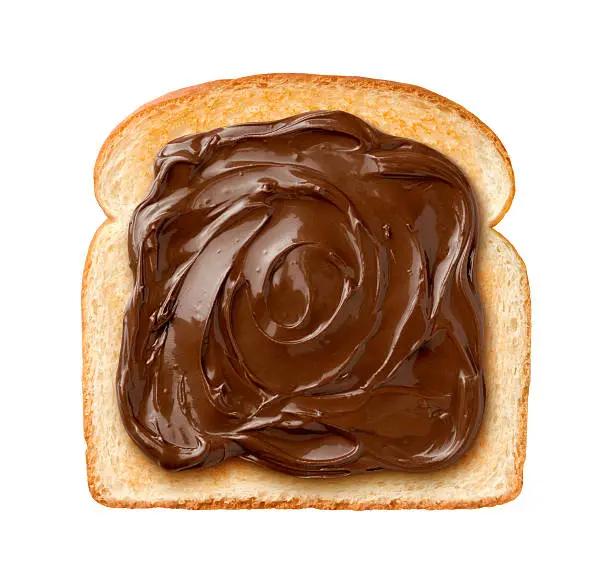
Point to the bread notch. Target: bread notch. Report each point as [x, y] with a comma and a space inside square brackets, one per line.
[491, 473]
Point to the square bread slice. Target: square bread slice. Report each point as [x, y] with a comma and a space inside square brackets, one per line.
[491, 472]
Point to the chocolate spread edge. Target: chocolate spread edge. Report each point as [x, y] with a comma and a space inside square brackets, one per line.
[303, 298]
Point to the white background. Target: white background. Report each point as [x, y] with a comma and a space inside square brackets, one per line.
[537, 73]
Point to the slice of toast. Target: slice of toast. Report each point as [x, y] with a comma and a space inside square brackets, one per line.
[120, 475]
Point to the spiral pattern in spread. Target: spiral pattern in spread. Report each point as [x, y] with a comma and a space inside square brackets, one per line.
[304, 299]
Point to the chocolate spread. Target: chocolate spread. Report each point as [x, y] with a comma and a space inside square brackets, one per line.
[304, 299]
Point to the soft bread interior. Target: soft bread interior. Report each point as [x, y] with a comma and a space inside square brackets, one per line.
[491, 472]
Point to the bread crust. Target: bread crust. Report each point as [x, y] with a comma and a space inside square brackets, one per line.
[96, 484]
[353, 82]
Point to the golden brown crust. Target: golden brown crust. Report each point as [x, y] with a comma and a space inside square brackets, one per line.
[263, 80]
[92, 450]
[520, 452]
[98, 491]
[304, 503]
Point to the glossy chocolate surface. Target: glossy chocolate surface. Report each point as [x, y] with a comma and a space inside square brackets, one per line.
[304, 299]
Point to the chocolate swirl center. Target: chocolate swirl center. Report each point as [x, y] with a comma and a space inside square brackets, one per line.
[303, 298]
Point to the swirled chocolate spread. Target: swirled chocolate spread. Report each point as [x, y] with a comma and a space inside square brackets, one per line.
[303, 299]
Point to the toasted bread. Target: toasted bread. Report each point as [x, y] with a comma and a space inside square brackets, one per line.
[120, 475]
